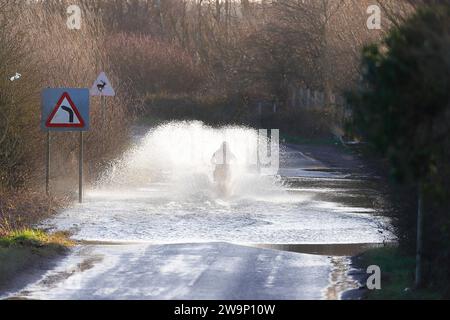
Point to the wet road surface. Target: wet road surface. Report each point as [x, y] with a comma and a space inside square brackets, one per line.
[195, 246]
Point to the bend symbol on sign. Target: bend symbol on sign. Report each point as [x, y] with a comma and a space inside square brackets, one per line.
[65, 114]
[69, 111]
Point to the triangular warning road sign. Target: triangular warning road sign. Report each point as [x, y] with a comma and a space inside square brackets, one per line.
[102, 87]
[65, 114]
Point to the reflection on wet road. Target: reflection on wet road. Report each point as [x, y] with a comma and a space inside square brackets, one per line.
[195, 245]
[326, 209]
[186, 271]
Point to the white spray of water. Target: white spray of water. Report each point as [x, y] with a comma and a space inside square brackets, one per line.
[162, 191]
[177, 155]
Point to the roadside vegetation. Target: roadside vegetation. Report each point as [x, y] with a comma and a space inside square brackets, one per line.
[402, 109]
[397, 276]
[21, 251]
[38, 45]
[34, 238]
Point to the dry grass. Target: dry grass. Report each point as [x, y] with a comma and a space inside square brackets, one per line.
[154, 66]
[21, 210]
[47, 54]
[38, 45]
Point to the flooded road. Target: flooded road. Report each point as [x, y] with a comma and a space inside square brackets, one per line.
[166, 195]
[303, 213]
[186, 242]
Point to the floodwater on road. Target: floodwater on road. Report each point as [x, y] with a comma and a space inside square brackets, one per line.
[160, 192]
[155, 227]
[301, 213]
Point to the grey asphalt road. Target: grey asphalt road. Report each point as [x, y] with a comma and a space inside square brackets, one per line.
[182, 271]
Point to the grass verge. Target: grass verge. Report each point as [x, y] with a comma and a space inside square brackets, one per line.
[28, 248]
[36, 239]
[397, 276]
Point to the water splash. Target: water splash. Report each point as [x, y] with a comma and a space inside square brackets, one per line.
[176, 157]
[162, 191]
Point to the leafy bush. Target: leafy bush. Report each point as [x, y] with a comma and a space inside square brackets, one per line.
[403, 109]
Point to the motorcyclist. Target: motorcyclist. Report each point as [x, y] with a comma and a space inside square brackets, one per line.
[222, 159]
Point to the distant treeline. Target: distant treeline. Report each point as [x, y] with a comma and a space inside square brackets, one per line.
[235, 53]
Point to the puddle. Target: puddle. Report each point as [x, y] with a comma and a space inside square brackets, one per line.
[336, 250]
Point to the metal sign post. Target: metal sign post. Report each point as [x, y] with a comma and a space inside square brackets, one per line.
[80, 170]
[102, 105]
[65, 109]
[47, 167]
